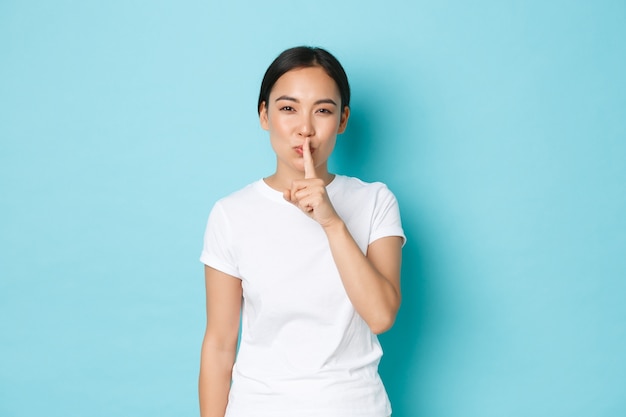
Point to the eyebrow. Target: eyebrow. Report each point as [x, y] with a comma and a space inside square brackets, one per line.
[295, 100]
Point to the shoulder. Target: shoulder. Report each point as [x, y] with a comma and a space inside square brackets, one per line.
[352, 193]
[346, 184]
[369, 209]
[233, 205]
[241, 196]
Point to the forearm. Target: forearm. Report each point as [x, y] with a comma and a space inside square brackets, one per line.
[215, 376]
[373, 295]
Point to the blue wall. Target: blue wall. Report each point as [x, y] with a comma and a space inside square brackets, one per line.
[500, 126]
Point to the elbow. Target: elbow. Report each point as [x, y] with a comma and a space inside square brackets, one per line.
[385, 316]
[383, 322]
[380, 328]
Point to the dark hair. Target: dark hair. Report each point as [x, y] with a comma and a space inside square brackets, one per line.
[304, 57]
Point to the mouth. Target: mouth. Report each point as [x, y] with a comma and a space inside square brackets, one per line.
[300, 151]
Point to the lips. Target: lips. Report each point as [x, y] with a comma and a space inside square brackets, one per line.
[300, 151]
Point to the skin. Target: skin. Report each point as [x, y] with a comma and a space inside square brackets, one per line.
[303, 118]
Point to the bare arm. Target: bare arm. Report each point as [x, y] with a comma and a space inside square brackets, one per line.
[223, 305]
[372, 281]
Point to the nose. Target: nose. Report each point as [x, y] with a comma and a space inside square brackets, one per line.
[306, 127]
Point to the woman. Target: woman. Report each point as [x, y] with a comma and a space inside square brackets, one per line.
[309, 260]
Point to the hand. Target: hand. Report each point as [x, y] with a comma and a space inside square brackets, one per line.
[309, 194]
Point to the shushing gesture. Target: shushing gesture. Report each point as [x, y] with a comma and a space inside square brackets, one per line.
[309, 194]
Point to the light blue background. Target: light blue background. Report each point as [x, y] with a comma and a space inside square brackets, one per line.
[500, 126]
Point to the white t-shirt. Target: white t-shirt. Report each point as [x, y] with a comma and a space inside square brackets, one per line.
[304, 350]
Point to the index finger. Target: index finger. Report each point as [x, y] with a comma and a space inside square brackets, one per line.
[309, 166]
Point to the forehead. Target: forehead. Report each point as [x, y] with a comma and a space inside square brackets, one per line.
[308, 81]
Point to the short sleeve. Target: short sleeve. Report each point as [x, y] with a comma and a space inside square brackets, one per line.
[386, 219]
[217, 251]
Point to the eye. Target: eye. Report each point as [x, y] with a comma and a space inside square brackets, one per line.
[286, 108]
[325, 111]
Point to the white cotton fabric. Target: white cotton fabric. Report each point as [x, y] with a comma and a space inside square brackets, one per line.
[304, 351]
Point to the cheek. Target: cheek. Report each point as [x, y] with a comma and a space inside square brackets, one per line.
[328, 146]
[330, 127]
[279, 124]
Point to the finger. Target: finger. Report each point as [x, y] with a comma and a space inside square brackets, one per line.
[305, 205]
[287, 195]
[309, 167]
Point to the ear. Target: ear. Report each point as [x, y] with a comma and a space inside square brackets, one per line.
[263, 116]
[343, 122]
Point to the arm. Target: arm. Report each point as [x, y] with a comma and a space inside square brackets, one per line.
[372, 281]
[223, 299]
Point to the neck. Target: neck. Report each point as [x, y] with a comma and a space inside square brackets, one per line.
[281, 182]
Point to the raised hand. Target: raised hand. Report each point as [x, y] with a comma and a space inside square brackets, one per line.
[309, 194]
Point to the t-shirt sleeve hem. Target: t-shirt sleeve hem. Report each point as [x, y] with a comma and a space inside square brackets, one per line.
[387, 232]
[216, 263]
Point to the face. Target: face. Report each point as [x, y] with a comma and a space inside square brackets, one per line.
[304, 103]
